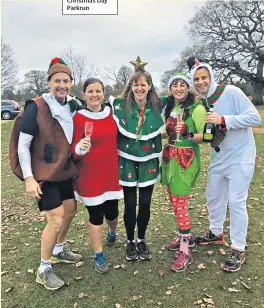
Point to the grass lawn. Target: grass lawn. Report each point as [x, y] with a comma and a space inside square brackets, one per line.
[261, 111]
[139, 284]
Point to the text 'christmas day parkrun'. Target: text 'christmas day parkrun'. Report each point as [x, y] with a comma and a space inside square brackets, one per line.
[89, 7]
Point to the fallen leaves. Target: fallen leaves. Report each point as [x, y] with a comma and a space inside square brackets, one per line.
[169, 292]
[135, 297]
[78, 278]
[245, 286]
[222, 251]
[82, 295]
[78, 264]
[210, 252]
[135, 273]
[233, 290]
[120, 266]
[30, 271]
[201, 267]
[8, 290]
[161, 274]
[118, 306]
[205, 302]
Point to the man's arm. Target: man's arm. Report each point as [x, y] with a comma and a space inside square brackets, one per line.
[28, 127]
[247, 116]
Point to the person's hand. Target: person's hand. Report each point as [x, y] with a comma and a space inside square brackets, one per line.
[32, 188]
[179, 127]
[85, 143]
[214, 118]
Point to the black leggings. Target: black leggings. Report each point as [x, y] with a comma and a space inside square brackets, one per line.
[130, 215]
[108, 209]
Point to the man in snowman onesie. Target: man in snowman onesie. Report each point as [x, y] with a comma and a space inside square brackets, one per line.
[231, 169]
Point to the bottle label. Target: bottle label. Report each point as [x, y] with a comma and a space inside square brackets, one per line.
[208, 136]
[208, 131]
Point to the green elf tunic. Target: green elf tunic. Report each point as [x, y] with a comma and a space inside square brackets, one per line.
[181, 162]
[139, 146]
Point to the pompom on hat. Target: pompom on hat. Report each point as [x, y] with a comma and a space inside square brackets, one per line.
[58, 65]
[178, 76]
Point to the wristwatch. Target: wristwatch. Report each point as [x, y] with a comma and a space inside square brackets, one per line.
[191, 135]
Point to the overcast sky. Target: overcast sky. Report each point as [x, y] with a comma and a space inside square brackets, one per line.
[37, 32]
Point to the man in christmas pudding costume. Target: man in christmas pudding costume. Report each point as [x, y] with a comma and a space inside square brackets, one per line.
[231, 169]
[138, 117]
[39, 154]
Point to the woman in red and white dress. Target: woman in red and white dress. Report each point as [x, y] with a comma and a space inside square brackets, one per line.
[95, 151]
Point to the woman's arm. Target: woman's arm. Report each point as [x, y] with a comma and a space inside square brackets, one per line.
[199, 118]
[80, 145]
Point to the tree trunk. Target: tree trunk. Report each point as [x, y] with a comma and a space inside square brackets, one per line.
[258, 93]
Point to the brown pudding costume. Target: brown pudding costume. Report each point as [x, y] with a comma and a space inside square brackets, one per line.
[40, 154]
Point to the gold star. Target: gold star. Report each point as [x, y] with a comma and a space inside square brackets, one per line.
[138, 64]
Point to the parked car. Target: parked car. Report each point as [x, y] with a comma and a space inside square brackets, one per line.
[9, 109]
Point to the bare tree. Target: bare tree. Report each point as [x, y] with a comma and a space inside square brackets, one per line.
[9, 67]
[35, 82]
[119, 77]
[110, 73]
[80, 70]
[178, 66]
[230, 36]
[108, 91]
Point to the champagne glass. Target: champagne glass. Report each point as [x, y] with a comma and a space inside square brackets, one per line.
[179, 119]
[88, 129]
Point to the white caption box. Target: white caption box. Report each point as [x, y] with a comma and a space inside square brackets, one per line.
[89, 7]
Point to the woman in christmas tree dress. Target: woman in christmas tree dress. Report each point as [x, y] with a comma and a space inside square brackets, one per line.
[138, 117]
[181, 160]
[97, 184]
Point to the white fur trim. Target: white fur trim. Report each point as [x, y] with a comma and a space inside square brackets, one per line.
[140, 159]
[184, 78]
[128, 184]
[141, 184]
[93, 201]
[96, 115]
[111, 100]
[80, 152]
[144, 184]
[134, 136]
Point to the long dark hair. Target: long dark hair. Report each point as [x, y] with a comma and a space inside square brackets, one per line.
[190, 99]
[152, 97]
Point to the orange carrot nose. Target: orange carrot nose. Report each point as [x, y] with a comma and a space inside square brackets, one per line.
[197, 62]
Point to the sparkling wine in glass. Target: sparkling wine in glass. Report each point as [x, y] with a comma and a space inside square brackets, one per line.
[179, 119]
[88, 129]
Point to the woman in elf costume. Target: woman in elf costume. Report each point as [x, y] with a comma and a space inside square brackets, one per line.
[95, 150]
[181, 160]
[138, 117]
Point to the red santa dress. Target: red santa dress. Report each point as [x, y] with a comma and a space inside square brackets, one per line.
[98, 179]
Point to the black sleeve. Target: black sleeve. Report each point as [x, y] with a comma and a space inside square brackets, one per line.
[28, 124]
[108, 104]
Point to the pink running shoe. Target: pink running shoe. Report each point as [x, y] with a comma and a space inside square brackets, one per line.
[181, 262]
[175, 245]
